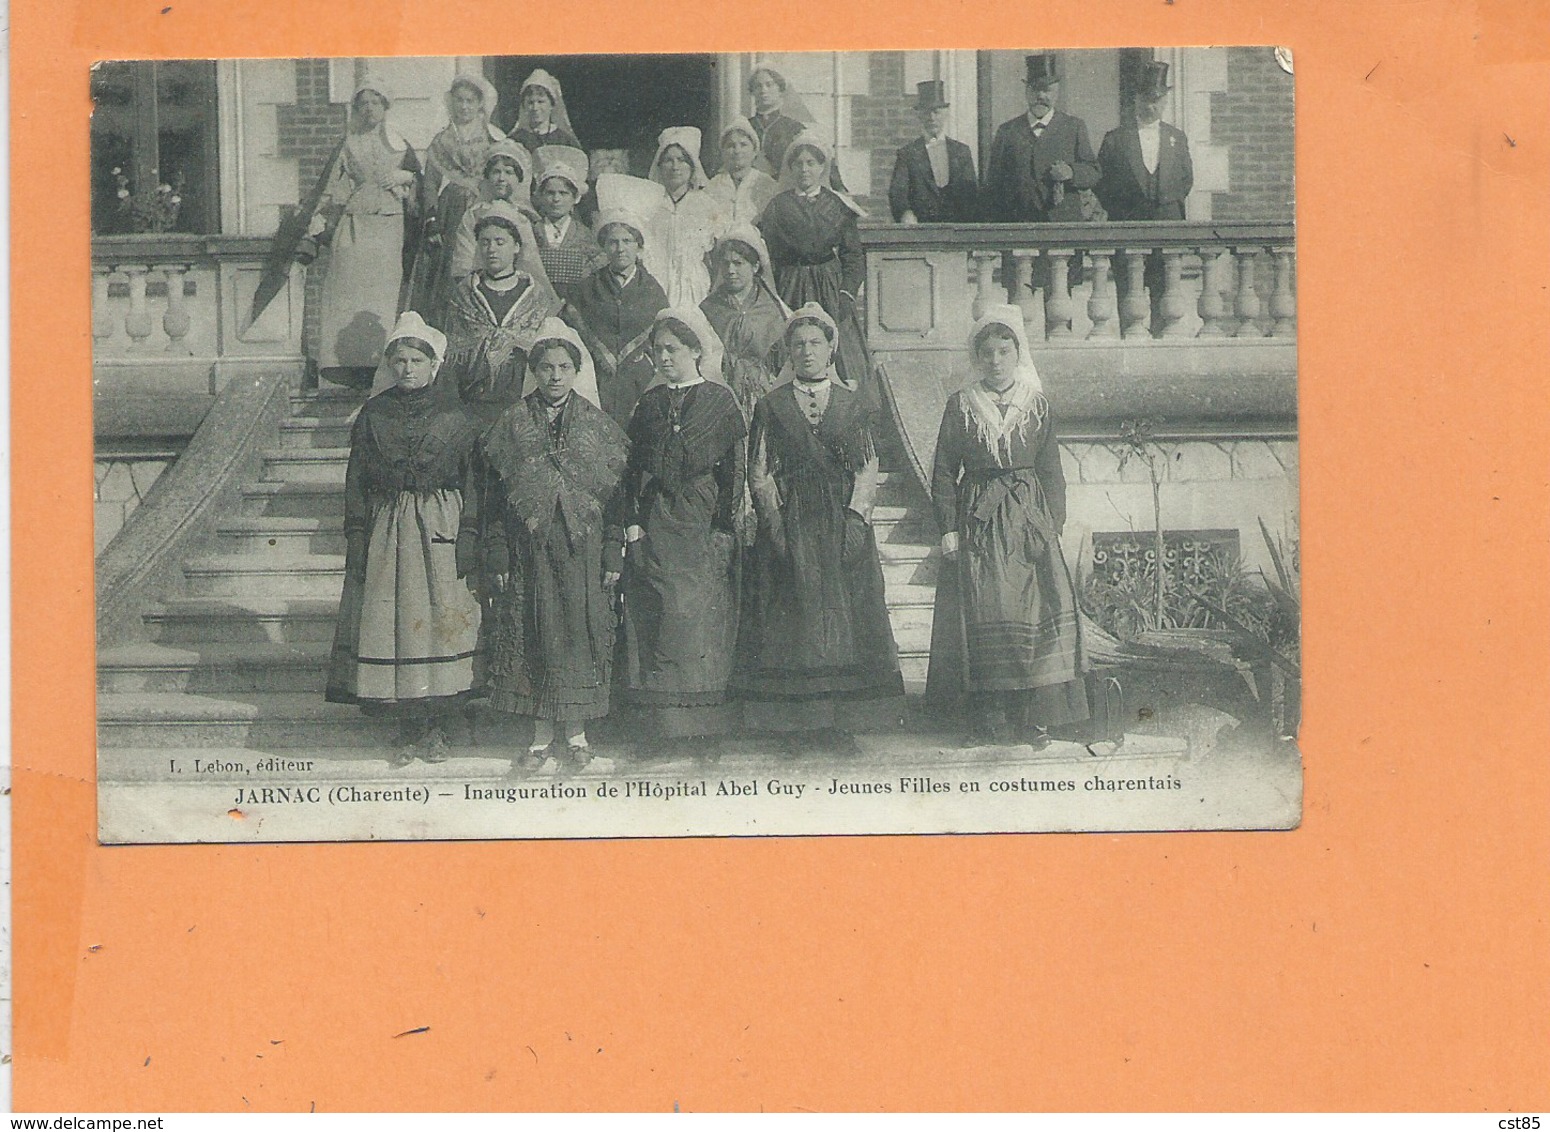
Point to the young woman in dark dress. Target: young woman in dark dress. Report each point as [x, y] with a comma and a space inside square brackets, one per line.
[815, 248]
[683, 491]
[815, 627]
[1006, 639]
[408, 622]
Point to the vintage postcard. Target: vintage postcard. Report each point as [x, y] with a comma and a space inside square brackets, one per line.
[598, 446]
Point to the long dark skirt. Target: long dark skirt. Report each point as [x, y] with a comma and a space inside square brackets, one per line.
[804, 283]
[1006, 616]
[680, 614]
[551, 634]
[815, 621]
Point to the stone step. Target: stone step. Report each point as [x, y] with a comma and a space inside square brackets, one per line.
[265, 575]
[907, 595]
[281, 536]
[917, 571]
[315, 432]
[898, 489]
[307, 465]
[911, 531]
[207, 620]
[294, 500]
[912, 634]
[913, 669]
[904, 552]
[326, 402]
[258, 719]
[218, 668]
[910, 620]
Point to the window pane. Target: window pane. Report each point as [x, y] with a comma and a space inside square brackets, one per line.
[112, 143]
[156, 124]
[185, 113]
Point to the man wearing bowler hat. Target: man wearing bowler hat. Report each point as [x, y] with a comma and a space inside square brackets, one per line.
[1147, 173]
[1040, 161]
[934, 181]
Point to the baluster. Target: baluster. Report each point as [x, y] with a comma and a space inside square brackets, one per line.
[984, 279]
[176, 321]
[1134, 309]
[1283, 303]
[137, 323]
[1248, 298]
[1058, 307]
[1026, 299]
[1211, 306]
[1101, 306]
[102, 320]
[1173, 308]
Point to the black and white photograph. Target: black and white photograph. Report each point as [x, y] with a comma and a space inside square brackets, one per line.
[610, 446]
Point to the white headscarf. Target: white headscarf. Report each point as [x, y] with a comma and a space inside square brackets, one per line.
[488, 96]
[514, 152]
[1026, 403]
[638, 203]
[711, 349]
[528, 259]
[686, 138]
[745, 233]
[741, 126]
[545, 81]
[557, 330]
[390, 133]
[812, 312]
[826, 151]
[566, 162]
[410, 325]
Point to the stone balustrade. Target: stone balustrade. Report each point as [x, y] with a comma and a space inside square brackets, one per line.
[1130, 282]
[173, 298]
[170, 326]
[1188, 326]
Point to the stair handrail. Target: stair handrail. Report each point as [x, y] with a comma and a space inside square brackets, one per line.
[144, 559]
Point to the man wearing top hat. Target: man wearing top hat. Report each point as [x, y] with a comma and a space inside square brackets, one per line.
[934, 181]
[1147, 173]
[1146, 169]
[1040, 161]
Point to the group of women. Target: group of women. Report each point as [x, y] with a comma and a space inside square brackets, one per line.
[637, 459]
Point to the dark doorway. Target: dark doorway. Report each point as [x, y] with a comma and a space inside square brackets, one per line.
[621, 101]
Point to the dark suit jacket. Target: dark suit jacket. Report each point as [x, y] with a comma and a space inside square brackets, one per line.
[1127, 191]
[914, 189]
[1018, 185]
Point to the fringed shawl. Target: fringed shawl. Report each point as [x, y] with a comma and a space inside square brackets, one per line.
[843, 437]
[474, 333]
[572, 476]
[982, 417]
[711, 423]
[1026, 405]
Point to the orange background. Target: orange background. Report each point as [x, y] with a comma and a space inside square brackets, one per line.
[1393, 953]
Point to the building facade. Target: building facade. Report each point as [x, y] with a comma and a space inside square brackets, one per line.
[241, 142]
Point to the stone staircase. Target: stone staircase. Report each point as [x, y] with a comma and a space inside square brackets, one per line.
[238, 659]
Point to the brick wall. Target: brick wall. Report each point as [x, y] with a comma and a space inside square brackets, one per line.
[309, 131]
[881, 121]
[1253, 119]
